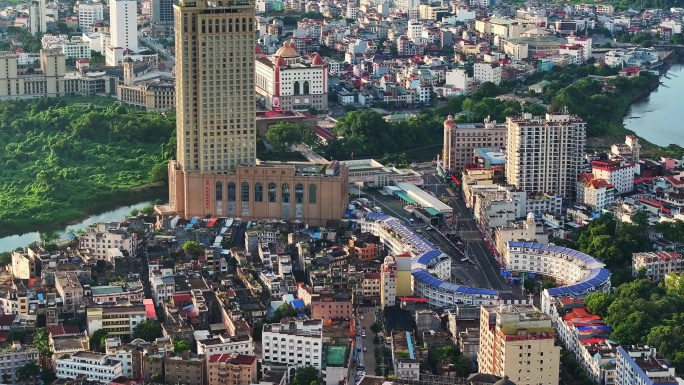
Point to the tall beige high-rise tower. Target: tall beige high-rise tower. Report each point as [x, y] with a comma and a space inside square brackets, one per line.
[545, 154]
[216, 171]
[215, 105]
[518, 341]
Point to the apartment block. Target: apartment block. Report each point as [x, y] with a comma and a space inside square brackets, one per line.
[545, 154]
[20, 83]
[487, 72]
[101, 237]
[116, 320]
[618, 173]
[642, 365]
[330, 306]
[657, 264]
[461, 140]
[232, 369]
[14, 357]
[26, 265]
[293, 342]
[69, 288]
[93, 366]
[223, 344]
[187, 368]
[388, 283]
[88, 14]
[518, 341]
[406, 363]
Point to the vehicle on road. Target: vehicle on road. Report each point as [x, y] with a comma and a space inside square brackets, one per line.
[363, 334]
[465, 260]
[361, 318]
[365, 349]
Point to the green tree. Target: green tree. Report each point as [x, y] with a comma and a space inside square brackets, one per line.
[193, 248]
[375, 327]
[159, 173]
[29, 372]
[463, 366]
[598, 303]
[5, 258]
[283, 135]
[97, 340]
[180, 346]
[307, 375]
[284, 310]
[6, 378]
[157, 377]
[148, 330]
[41, 343]
[16, 335]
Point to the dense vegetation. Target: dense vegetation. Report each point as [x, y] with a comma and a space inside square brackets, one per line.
[600, 239]
[646, 313]
[62, 158]
[365, 132]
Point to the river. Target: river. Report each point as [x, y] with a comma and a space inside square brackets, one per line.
[655, 117]
[11, 242]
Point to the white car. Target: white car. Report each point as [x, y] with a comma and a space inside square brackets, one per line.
[361, 318]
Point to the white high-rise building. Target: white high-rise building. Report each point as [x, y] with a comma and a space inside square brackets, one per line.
[294, 342]
[544, 154]
[89, 13]
[37, 17]
[123, 27]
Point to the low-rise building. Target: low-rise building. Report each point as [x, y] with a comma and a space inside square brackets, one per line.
[94, 366]
[294, 342]
[117, 320]
[406, 364]
[70, 289]
[14, 357]
[619, 174]
[232, 369]
[657, 265]
[186, 368]
[224, 344]
[103, 236]
[642, 365]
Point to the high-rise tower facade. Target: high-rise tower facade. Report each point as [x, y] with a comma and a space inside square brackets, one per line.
[215, 106]
[216, 171]
[545, 154]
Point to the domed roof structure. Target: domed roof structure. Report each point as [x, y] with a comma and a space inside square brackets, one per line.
[287, 51]
[504, 381]
[257, 49]
[317, 60]
[449, 120]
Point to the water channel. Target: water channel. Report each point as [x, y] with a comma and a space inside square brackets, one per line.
[657, 117]
[11, 242]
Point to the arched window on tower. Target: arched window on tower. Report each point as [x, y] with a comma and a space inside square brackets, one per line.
[295, 86]
[244, 192]
[306, 87]
[285, 193]
[299, 193]
[272, 192]
[258, 192]
[231, 191]
[219, 191]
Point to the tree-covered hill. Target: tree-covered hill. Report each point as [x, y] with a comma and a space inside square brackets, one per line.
[61, 158]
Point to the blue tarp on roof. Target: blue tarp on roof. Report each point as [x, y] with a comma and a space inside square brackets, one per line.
[298, 304]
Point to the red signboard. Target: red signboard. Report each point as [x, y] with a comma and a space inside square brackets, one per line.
[207, 193]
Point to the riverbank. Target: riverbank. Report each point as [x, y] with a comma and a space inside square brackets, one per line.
[78, 214]
[650, 115]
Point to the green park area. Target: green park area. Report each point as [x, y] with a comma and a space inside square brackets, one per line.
[64, 157]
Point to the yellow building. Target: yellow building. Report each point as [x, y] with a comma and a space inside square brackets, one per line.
[518, 341]
[22, 83]
[216, 170]
[154, 93]
[116, 320]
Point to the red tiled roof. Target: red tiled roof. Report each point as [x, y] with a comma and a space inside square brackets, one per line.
[413, 299]
[63, 330]
[181, 298]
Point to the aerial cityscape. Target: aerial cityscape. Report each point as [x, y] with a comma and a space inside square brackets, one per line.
[346, 192]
